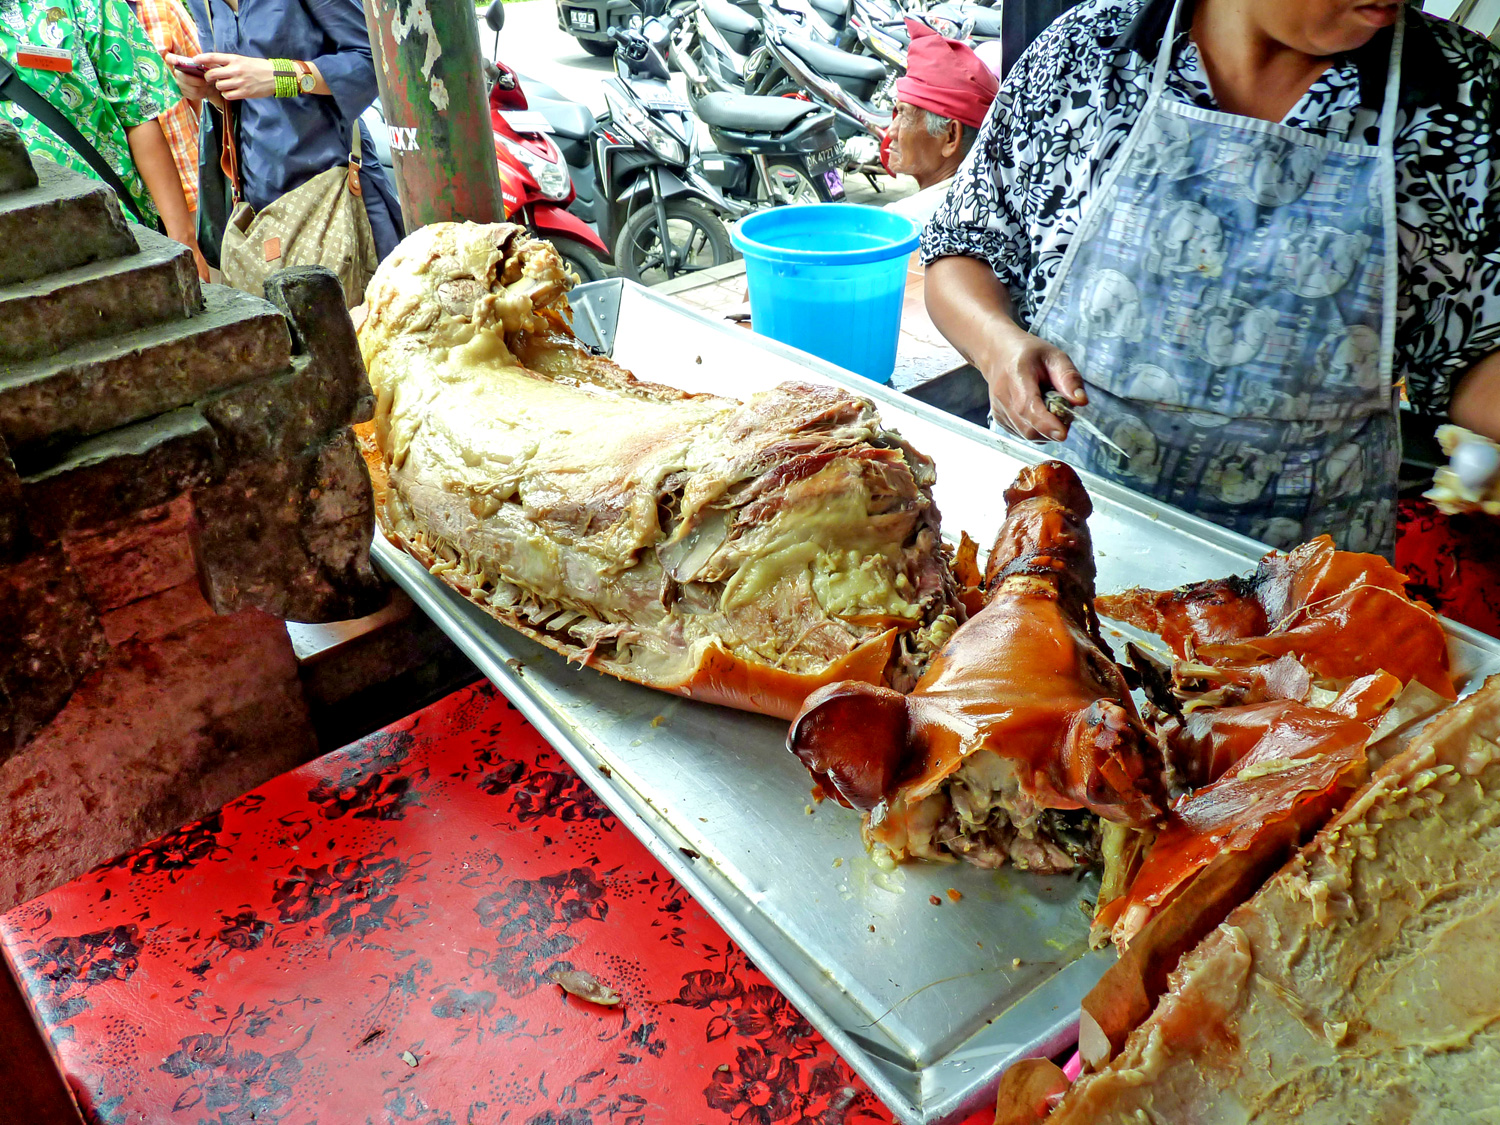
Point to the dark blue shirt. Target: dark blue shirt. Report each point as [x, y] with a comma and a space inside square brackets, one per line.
[284, 142]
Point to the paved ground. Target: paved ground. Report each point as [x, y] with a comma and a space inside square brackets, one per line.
[533, 44]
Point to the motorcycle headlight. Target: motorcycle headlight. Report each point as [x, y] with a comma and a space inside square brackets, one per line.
[945, 27]
[551, 178]
[635, 122]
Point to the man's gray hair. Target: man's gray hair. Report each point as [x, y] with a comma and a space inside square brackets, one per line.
[937, 125]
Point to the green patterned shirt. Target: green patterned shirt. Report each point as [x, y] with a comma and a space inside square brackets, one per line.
[118, 80]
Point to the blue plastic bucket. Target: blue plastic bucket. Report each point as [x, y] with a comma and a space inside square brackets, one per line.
[829, 278]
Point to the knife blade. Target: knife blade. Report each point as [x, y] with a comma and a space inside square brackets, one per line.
[1067, 412]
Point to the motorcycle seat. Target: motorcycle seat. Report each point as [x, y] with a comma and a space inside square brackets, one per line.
[568, 119]
[836, 12]
[746, 113]
[834, 63]
[730, 20]
[987, 21]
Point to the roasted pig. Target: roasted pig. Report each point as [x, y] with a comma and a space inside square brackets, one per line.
[1342, 615]
[1360, 983]
[737, 552]
[1021, 733]
[1260, 766]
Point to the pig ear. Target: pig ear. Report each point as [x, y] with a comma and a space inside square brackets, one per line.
[852, 738]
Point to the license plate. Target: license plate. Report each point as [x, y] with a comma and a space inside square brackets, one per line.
[823, 161]
[835, 184]
[583, 19]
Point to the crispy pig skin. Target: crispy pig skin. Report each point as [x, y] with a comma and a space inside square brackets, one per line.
[1340, 613]
[1361, 983]
[741, 553]
[1027, 679]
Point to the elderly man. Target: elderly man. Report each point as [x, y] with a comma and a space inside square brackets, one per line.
[940, 104]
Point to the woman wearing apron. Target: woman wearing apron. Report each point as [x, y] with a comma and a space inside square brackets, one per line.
[1235, 228]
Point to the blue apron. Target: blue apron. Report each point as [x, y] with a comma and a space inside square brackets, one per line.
[1230, 300]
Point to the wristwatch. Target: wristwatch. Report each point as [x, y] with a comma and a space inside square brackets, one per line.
[307, 81]
[286, 78]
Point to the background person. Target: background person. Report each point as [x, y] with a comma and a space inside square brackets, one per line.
[941, 102]
[290, 134]
[171, 29]
[1217, 360]
[110, 83]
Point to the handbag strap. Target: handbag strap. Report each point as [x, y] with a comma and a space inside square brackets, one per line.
[229, 154]
[13, 89]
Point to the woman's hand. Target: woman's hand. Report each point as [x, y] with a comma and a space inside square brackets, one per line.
[972, 309]
[236, 77]
[1020, 369]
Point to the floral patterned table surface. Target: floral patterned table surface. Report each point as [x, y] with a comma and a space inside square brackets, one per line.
[369, 938]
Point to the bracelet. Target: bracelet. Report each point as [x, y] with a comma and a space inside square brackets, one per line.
[286, 78]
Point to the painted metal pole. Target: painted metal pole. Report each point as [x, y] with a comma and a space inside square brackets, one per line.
[432, 90]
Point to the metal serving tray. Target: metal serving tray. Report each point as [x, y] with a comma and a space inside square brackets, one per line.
[928, 1001]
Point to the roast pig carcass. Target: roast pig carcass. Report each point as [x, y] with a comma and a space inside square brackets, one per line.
[1021, 735]
[1361, 983]
[742, 553]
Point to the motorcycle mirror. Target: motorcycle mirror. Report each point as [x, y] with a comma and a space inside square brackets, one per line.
[494, 15]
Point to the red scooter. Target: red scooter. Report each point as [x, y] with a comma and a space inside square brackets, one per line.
[535, 185]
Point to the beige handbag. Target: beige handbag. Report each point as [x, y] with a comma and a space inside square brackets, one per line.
[321, 223]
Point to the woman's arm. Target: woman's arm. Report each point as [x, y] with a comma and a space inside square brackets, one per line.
[971, 308]
[153, 160]
[1476, 402]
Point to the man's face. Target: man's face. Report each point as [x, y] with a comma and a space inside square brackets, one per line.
[914, 151]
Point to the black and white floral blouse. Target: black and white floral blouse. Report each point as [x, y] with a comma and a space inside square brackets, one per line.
[1071, 99]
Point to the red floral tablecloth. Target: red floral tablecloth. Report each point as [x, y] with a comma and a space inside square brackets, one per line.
[1453, 562]
[368, 938]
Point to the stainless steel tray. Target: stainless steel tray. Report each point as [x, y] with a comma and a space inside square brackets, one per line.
[928, 1003]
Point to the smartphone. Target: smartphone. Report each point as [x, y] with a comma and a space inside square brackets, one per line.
[191, 68]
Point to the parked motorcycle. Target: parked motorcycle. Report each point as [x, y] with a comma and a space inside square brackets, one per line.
[727, 40]
[880, 28]
[765, 150]
[661, 212]
[535, 184]
[535, 181]
[571, 125]
[836, 80]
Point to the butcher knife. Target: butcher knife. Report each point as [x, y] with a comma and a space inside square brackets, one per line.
[1069, 414]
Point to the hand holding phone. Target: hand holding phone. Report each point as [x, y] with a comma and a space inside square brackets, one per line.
[188, 73]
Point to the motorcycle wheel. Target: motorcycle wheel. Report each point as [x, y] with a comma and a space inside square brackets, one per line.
[583, 259]
[698, 236]
[594, 47]
[793, 185]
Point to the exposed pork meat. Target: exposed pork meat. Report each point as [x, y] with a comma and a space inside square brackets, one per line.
[1340, 614]
[737, 552]
[1360, 983]
[1020, 734]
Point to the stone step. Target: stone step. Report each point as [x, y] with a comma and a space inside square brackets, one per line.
[66, 220]
[155, 285]
[48, 404]
[114, 474]
[16, 172]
